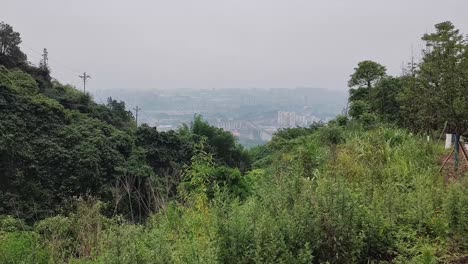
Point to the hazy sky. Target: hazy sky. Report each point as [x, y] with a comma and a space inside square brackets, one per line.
[223, 44]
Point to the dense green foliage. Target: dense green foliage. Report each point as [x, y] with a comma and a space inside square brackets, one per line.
[10, 53]
[440, 83]
[81, 183]
[432, 93]
[222, 143]
[57, 144]
[338, 194]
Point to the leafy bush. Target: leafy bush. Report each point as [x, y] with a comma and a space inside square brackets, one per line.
[20, 247]
[338, 195]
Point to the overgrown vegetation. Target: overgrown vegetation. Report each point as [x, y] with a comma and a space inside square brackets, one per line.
[82, 184]
[375, 197]
[57, 144]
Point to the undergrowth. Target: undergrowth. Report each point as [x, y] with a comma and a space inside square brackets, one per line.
[331, 196]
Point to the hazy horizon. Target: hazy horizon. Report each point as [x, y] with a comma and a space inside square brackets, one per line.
[210, 44]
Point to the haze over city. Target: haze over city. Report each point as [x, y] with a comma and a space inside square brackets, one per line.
[205, 44]
[233, 131]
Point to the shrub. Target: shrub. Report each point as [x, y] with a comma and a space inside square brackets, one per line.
[20, 247]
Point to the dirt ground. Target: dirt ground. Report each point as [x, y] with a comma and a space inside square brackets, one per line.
[449, 169]
[459, 260]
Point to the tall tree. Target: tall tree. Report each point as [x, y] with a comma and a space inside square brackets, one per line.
[439, 91]
[10, 53]
[440, 86]
[366, 75]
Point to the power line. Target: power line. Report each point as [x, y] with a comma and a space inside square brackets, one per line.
[71, 69]
[30, 96]
[60, 67]
[44, 57]
[64, 66]
[148, 118]
[84, 77]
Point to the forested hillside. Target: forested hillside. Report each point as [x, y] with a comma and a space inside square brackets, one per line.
[58, 145]
[81, 183]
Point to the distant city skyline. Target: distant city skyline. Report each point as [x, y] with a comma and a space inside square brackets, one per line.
[253, 116]
[219, 44]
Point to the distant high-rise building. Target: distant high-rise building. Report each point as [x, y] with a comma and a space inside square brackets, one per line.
[286, 119]
[230, 124]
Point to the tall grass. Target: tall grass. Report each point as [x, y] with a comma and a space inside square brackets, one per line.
[333, 196]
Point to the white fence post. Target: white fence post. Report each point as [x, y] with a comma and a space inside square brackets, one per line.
[448, 141]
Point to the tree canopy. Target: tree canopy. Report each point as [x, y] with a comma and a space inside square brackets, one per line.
[438, 91]
[10, 53]
[367, 74]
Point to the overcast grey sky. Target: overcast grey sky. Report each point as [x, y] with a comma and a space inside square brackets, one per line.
[223, 43]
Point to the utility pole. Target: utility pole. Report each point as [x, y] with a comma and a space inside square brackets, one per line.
[136, 114]
[84, 77]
